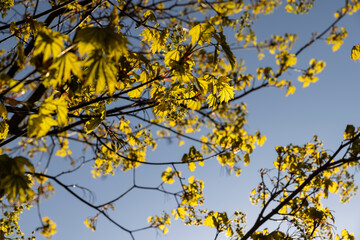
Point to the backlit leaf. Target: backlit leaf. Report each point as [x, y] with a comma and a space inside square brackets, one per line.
[40, 125]
[105, 39]
[95, 121]
[201, 33]
[101, 73]
[14, 183]
[4, 129]
[156, 37]
[61, 111]
[64, 66]
[49, 43]
[212, 100]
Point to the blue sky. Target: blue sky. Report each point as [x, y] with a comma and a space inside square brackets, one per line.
[323, 108]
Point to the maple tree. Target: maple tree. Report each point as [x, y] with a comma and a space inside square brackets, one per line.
[108, 74]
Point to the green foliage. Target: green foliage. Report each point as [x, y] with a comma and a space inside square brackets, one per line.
[62, 68]
[4, 129]
[5, 6]
[15, 183]
[120, 77]
[40, 124]
[48, 43]
[9, 222]
[111, 43]
[156, 37]
[299, 6]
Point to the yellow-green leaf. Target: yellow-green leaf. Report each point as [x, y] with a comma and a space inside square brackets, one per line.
[212, 100]
[226, 93]
[39, 125]
[14, 183]
[201, 33]
[61, 111]
[171, 56]
[64, 66]
[101, 73]
[92, 124]
[49, 43]
[95, 121]
[103, 39]
[156, 37]
[4, 129]
[58, 105]
[3, 111]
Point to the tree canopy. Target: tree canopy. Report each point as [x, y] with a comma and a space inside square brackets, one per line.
[102, 83]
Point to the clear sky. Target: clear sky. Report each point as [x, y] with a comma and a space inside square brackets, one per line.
[323, 108]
